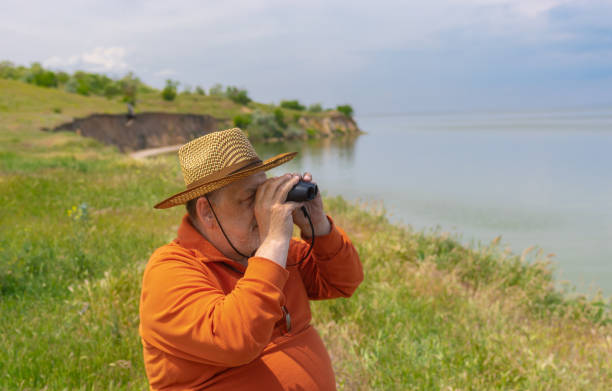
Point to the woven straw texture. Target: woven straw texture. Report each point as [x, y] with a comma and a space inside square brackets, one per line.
[205, 156]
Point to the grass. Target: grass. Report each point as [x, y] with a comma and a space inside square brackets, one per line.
[78, 226]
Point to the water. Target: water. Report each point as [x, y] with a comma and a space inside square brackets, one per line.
[536, 178]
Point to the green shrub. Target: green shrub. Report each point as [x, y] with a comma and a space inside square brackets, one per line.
[80, 82]
[169, 91]
[37, 75]
[242, 121]
[112, 90]
[315, 108]
[292, 104]
[200, 91]
[9, 71]
[216, 90]
[347, 110]
[237, 95]
[294, 132]
[311, 132]
[81, 87]
[129, 86]
[263, 126]
[279, 116]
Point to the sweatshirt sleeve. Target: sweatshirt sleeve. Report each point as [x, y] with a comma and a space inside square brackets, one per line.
[333, 268]
[185, 313]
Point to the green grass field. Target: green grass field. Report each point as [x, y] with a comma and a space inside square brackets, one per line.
[77, 227]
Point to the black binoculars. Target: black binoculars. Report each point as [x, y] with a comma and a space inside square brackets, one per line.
[302, 191]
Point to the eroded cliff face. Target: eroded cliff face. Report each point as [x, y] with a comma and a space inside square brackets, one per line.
[144, 130]
[329, 125]
[155, 130]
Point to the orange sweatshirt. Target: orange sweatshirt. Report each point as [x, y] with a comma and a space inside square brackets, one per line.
[208, 322]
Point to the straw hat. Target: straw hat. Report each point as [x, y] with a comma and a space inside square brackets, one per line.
[218, 159]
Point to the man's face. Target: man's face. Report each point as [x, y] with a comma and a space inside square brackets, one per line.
[234, 206]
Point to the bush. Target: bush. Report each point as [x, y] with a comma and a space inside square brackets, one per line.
[200, 91]
[9, 71]
[292, 104]
[279, 116]
[169, 91]
[315, 108]
[347, 110]
[237, 95]
[263, 126]
[311, 132]
[294, 131]
[37, 75]
[242, 121]
[216, 90]
[129, 86]
[80, 82]
[112, 90]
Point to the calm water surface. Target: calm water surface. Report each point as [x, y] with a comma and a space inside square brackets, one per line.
[536, 178]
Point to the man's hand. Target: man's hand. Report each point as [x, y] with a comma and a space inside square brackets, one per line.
[315, 210]
[274, 217]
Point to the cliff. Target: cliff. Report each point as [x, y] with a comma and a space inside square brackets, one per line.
[329, 125]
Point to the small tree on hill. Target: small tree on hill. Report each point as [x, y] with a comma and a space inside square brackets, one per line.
[315, 108]
[237, 95]
[129, 87]
[169, 91]
[347, 110]
[216, 90]
[292, 104]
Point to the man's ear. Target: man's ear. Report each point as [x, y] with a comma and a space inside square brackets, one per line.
[205, 215]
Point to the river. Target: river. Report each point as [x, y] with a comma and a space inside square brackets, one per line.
[536, 178]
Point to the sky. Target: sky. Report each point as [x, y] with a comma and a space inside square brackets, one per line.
[382, 57]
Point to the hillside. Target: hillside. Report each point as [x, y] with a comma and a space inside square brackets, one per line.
[78, 227]
[260, 121]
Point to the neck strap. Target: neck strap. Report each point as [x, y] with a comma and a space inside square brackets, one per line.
[218, 222]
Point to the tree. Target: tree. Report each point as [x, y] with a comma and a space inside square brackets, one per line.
[237, 95]
[216, 90]
[315, 108]
[292, 104]
[129, 87]
[347, 110]
[279, 116]
[169, 91]
[242, 121]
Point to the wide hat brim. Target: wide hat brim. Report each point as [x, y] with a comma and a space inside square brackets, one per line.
[189, 194]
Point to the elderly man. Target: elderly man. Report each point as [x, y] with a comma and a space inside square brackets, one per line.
[225, 305]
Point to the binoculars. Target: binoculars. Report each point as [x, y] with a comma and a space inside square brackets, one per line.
[302, 191]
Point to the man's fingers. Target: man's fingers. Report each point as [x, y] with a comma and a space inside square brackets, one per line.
[284, 189]
[270, 187]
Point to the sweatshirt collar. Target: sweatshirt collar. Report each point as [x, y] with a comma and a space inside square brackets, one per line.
[189, 237]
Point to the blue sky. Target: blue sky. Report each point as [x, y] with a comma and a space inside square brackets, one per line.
[382, 57]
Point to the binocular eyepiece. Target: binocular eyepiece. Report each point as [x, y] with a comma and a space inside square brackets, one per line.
[302, 191]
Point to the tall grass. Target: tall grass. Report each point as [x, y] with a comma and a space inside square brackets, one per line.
[78, 226]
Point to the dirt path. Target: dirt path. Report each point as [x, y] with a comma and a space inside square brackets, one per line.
[144, 153]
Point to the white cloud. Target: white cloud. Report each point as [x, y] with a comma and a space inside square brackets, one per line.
[100, 59]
